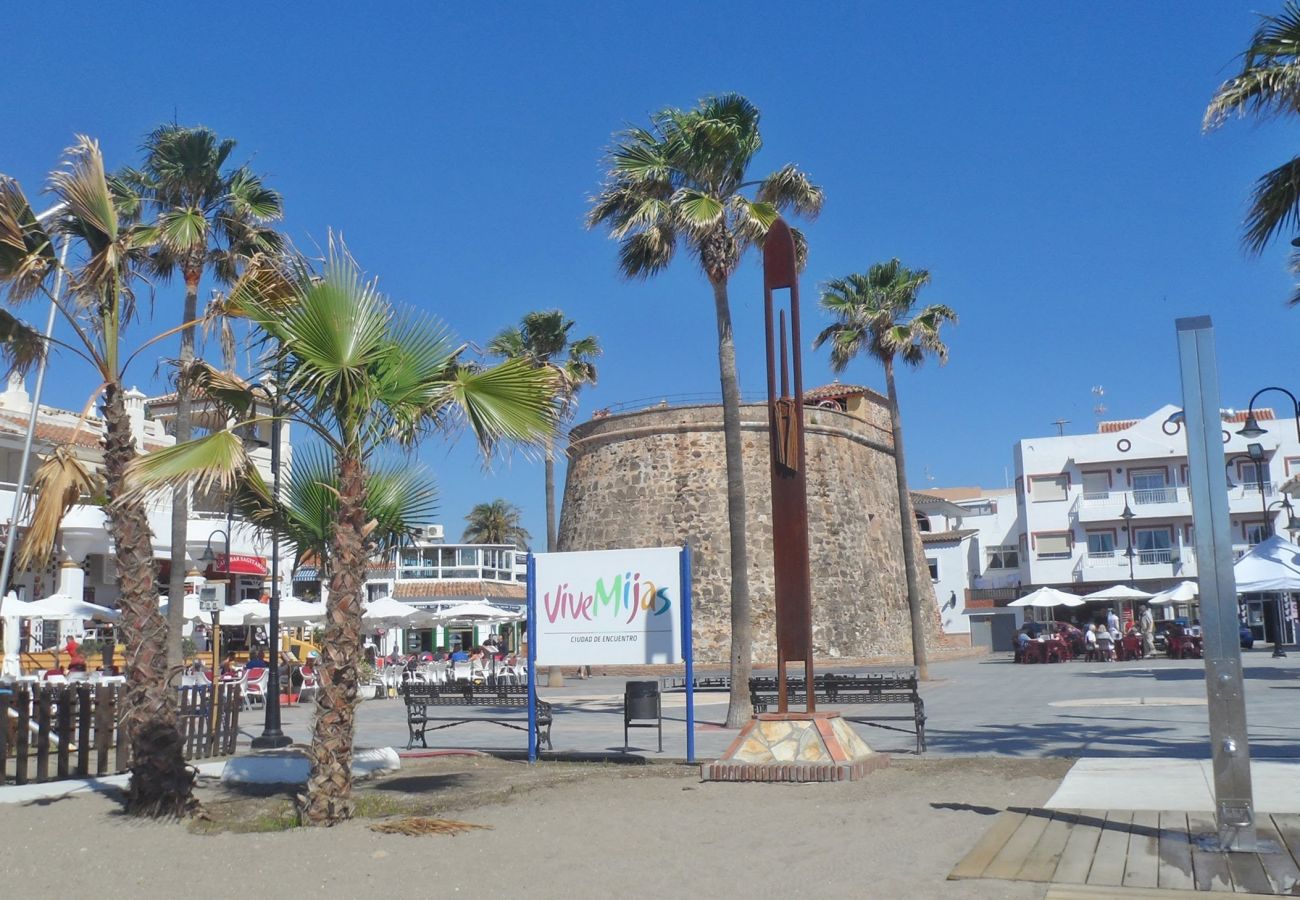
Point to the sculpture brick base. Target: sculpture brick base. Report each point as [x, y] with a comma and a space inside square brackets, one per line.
[798, 746]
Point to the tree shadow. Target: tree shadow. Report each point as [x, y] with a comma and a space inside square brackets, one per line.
[1076, 736]
[421, 784]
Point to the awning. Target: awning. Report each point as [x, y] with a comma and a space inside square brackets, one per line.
[238, 564]
[306, 573]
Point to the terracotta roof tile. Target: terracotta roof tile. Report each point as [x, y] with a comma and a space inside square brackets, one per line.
[86, 436]
[415, 590]
[1118, 425]
[837, 390]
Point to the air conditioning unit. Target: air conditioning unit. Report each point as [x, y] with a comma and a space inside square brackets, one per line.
[429, 532]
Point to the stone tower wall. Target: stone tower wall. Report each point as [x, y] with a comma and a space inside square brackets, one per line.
[658, 477]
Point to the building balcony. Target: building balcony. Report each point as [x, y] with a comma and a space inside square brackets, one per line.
[459, 562]
[1106, 506]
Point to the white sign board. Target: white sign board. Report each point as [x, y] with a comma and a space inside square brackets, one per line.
[608, 607]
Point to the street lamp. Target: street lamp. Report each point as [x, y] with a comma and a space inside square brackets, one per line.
[1255, 453]
[1252, 430]
[1128, 515]
[272, 735]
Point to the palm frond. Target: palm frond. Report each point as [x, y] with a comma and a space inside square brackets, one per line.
[59, 483]
[511, 401]
[21, 345]
[1274, 205]
[214, 462]
[26, 250]
[648, 252]
[789, 189]
[1269, 83]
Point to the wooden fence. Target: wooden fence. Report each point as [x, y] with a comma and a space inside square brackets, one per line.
[52, 732]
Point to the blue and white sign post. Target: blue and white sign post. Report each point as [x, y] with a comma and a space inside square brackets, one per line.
[610, 607]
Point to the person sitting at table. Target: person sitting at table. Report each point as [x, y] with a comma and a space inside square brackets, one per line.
[1033, 629]
[228, 670]
[458, 654]
[256, 661]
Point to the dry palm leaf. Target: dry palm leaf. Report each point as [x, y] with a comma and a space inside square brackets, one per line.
[417, 825]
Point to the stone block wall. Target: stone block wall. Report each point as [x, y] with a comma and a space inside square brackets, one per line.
[657, 477]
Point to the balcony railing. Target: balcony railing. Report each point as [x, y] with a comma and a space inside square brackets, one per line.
[1099, 555]
[1155, 495]
[473, 562]
[1155, 557]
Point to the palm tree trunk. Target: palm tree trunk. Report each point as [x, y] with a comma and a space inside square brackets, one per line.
[555, 674]
[181, 494]
[161, 782]
[908, 530]
[739, 709]
[329, 786]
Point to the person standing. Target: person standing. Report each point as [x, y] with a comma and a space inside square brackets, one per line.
[1112, 623]
[1148, 627]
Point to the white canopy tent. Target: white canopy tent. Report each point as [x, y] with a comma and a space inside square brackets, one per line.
[383, 612]
[1272, 565]
[476, 612]
[60, 607]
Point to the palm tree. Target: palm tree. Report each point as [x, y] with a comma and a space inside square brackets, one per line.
[95, 311]
[497, 522]
[361, 377]
[872, 312]
[209, 218]
[684, 178]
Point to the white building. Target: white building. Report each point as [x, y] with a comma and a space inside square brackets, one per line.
[432, 575]
[971, 542]
[82, 565]
[1114, 506]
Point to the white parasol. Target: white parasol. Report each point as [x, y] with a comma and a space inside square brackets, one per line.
[385, 611]
[1047, 598]
[292, 611]
[1184, 592]
[1118, 592]
[60, 606]
[476, 611]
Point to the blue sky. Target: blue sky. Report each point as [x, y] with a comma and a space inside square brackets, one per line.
[1044, 161]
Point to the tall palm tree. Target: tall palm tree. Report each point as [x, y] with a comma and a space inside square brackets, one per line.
[210, 218]
[684, 178]
[95, 312]
[361, 377]
[872, 313]
[542, 338]
[498, 522]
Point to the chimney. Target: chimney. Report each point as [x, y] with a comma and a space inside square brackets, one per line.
[134, 400]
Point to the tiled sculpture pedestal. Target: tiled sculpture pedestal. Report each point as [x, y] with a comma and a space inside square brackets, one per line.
[817, 746]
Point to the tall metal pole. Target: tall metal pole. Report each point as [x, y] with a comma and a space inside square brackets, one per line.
[1278, 652]
[1229, 745]
[21, 488]
[272, 735]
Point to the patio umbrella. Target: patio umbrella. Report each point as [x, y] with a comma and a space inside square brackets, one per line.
[1271, 565]
[192, 611]
[385, 611]
[475, 611]
[1118, 592]
[1184, 592]
[292, 611]
[59, 606]
[1047, 598]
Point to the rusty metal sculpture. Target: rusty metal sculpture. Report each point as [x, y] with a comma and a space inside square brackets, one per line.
[789, 471]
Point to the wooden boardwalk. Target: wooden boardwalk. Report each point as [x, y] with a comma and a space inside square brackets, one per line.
[1088, 853]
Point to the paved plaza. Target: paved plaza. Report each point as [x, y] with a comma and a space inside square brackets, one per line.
[985, 706]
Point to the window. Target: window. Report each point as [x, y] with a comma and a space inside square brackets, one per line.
[1049, 487]
[934, 567]
[1250, 474]
[1096, 485]
[1053, 546]
[1152, 486]
[1153, 545]
[1255, 532]
[1003, 556]
[980, 508]
[1101, 544]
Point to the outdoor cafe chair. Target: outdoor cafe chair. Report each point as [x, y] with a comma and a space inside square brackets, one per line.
[310, 682]
[254, 688]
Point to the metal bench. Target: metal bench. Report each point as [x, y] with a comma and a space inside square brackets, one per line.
[424, 702]
[897, 686]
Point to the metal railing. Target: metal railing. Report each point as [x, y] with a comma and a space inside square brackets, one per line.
[1155, 495]
[1155, 557]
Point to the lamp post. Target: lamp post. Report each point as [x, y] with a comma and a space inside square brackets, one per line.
[272, 735]
[1255, 453]
[1128, 515]
[209, 558]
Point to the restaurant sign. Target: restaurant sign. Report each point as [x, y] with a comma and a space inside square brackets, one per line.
[240, 564]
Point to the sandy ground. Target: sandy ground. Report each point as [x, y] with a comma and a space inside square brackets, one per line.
[557, 831]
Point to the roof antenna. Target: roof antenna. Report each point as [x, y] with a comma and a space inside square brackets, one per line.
[1060, 426]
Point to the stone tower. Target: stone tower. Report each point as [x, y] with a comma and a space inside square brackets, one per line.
[657, 477]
